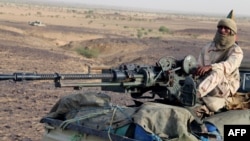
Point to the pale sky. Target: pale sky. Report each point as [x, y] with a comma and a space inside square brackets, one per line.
[222, 7]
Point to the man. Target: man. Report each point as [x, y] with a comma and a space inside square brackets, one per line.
[218, 66]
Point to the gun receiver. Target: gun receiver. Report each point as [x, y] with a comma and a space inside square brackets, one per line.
[163, 79]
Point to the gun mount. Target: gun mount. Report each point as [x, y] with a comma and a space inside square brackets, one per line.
[163, 79]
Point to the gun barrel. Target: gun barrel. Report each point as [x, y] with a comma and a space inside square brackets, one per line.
[6, 76]
[35, 76]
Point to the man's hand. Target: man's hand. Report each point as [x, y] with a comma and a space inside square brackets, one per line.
[203, 70]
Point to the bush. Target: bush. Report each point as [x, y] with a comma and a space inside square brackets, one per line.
[86, 52]
[139, 34]
[164, 29]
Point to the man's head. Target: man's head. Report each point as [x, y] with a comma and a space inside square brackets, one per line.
[226, 32]
[228, 24]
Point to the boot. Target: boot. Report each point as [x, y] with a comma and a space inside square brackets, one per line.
[188, 92]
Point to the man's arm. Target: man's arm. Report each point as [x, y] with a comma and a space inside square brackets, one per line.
[233, 62]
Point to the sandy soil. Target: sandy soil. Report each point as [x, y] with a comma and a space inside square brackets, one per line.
[118, 36]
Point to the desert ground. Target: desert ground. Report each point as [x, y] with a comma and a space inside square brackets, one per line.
[111, 37]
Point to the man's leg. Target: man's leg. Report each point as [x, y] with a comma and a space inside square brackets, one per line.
[187, 95]
[209, 83]
[213, 103]
[214, 90]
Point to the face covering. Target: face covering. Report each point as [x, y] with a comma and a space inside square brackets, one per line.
[223, 42]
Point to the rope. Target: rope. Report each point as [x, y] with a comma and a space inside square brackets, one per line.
[64, 124]
[121, 110]
[110, 125]
[112, 119]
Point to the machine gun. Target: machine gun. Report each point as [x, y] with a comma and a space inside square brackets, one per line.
[164, 79]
